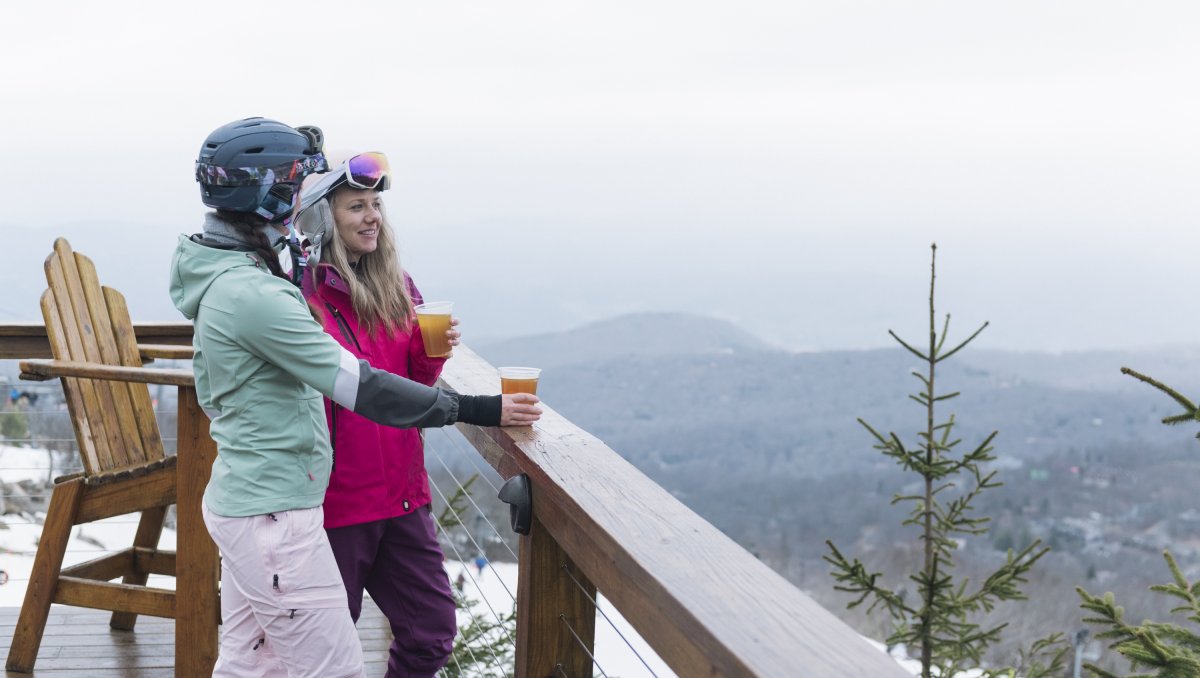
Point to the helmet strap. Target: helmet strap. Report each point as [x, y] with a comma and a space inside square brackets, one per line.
[291, 259]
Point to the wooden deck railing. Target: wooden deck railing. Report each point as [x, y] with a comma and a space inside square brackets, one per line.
[706, 605]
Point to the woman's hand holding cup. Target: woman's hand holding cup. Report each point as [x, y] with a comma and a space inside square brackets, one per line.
[453, 336]
[519, 409]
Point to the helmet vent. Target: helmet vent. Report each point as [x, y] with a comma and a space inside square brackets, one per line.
[258, 149]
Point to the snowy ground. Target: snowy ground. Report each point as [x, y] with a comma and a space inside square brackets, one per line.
[19, 534]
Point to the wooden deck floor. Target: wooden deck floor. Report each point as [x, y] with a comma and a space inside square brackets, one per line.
[78, 642]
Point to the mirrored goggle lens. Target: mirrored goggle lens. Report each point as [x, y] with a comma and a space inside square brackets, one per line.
[368, 170]
[290, 172]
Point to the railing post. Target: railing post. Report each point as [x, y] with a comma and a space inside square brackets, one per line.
[556, 618]
[197, 607]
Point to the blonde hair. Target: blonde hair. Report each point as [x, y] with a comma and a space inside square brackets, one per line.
[377, 289]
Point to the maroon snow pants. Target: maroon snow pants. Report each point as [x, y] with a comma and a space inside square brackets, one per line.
[399, 562]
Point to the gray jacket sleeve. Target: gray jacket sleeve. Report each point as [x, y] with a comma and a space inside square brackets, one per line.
[392, 400]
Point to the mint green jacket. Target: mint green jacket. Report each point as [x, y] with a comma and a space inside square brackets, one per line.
[262, 365]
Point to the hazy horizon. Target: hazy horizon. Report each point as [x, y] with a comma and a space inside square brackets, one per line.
[783, 165]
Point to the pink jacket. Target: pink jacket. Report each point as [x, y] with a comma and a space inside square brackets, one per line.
[378, 471]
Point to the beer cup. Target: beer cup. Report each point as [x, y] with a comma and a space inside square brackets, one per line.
[519, 379]
[434, 319]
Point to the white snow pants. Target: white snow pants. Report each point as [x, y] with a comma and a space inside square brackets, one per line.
[283, 605]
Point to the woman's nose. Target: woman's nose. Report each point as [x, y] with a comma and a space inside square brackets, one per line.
[374, 214]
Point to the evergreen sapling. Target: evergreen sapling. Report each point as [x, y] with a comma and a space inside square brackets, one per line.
[942, 622]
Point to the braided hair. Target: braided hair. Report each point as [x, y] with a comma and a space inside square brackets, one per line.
[252, 228]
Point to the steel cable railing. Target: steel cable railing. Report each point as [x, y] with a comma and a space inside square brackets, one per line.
[453, 470]
[600, 611]
[563, 618]
[465, 450]
[496, 662]
[458, 537]
[458, 555]
[471, 499]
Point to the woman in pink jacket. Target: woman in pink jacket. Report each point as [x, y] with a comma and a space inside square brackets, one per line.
[377, 507]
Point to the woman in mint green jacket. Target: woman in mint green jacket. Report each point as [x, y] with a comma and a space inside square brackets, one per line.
[262, 365]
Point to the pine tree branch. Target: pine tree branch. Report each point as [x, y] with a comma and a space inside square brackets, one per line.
[880, 438]
[853, 578]
[920, 376]
[1178, 419]
[967, 341]
[945, 427]
[1046, 658]
[942, 338]
[1139, 644]
[456, 505]
[903, 343]
[1187, 404]
[1098, 672]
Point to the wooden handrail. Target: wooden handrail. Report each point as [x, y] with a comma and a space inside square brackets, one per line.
[20, 341]
[165, 351]
[41, 370]
[706, 605]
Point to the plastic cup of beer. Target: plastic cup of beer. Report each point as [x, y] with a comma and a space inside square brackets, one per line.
[519, 379]
[433, 317]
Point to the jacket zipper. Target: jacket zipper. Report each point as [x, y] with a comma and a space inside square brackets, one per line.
[348, 334]
[343, 325]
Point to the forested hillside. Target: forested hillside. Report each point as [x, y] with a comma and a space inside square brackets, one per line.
[764, 444]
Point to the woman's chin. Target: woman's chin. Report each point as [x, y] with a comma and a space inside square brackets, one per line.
[364, 248]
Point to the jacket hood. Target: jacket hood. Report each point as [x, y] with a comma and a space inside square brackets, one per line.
[195, 266]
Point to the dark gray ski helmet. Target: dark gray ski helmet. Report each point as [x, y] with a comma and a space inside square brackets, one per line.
[256, 165]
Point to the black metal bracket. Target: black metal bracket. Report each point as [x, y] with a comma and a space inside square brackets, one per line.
[518, 494]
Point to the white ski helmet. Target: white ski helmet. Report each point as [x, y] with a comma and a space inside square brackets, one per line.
[315, 217]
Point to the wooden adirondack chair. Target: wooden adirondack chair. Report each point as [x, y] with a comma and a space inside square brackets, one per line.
[125, 468]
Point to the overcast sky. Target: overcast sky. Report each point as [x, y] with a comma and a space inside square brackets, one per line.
[781, 164]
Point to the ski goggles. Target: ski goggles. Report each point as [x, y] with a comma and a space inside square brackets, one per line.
[369, 171]
[289, 172]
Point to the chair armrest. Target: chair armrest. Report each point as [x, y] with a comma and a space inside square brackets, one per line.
[41, 370]
[165, 352]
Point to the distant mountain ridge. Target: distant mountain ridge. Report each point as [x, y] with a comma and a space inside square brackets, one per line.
[635, 335]
[1096, 370]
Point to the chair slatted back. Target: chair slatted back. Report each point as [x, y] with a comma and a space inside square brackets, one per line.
[114, 421]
